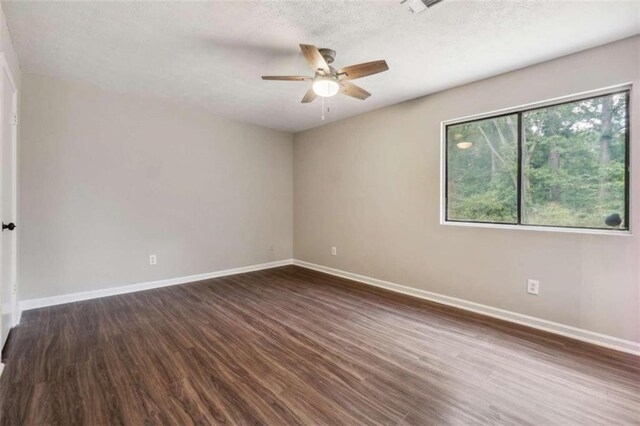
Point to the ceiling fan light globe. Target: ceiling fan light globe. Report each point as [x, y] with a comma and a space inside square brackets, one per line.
[325, 87]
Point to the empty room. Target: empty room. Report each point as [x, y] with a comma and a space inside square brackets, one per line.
[393, 212]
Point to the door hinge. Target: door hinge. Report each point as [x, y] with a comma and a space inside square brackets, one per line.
[14, 120]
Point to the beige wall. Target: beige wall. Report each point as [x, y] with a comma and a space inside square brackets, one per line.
[107, 179]
[369, 185]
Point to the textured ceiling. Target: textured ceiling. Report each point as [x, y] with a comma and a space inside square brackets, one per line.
[213, 53]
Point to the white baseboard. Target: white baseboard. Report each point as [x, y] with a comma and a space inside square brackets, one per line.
[610, 342]
[28, 304]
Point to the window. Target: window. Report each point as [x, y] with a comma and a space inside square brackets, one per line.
[562, 165]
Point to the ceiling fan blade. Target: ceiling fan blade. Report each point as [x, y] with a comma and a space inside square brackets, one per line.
[286, 77]
[314, 58]
[362, 70]
[310, 96]
[354, 91]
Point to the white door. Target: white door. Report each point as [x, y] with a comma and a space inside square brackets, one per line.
[8, 187]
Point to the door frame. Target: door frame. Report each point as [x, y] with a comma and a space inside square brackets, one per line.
[4, 67]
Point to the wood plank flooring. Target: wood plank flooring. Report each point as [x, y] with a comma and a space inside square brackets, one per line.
[293, 346]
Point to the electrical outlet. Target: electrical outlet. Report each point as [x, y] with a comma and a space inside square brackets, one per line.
[271, 248]
[533, 286]
[153, 259]
[334, 251]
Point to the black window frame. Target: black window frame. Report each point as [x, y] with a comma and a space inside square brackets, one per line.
[520, 170]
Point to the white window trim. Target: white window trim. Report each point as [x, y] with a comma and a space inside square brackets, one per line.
[532, 105]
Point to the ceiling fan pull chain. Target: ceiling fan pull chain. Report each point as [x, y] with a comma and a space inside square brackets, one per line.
[322, 115]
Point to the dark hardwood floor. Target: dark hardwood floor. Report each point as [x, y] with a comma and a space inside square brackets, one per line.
[293, 346]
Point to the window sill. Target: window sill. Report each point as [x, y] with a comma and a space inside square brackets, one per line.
[621, 233]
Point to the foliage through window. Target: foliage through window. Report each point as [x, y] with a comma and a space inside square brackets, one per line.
[563, 165]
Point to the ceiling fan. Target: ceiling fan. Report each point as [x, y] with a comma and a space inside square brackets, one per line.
[328, 81]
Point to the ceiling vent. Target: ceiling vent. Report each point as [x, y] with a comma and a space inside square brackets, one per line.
[419, 6]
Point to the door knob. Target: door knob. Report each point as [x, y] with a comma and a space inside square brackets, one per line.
[11, 226]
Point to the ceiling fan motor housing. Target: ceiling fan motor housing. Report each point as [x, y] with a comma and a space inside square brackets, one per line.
[329, 55]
